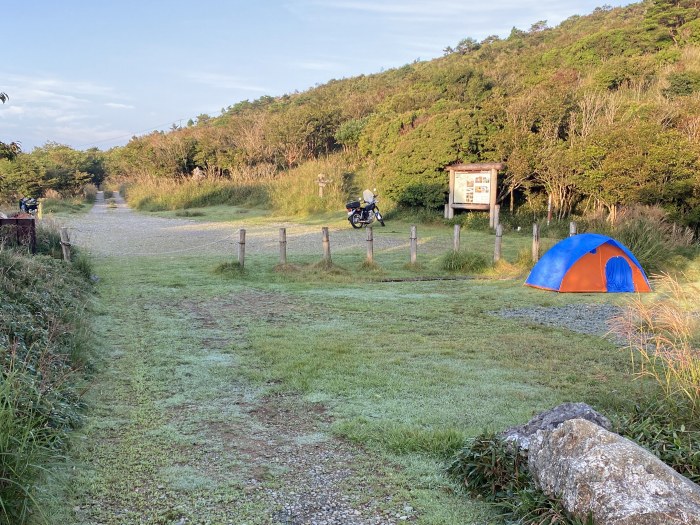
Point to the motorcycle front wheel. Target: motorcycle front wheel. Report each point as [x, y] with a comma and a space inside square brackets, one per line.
[380, 219]
[355, 221]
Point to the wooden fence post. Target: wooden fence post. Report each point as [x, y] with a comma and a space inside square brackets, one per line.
[497, 247]
[535, 242]
[496, 215]
[455, 240]
[326, 244]
[572, 229]
[283, 245]
[370, 244]
[414, 244]
[241, 248]
[65, 244]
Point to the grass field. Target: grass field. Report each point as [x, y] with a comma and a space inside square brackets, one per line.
[406, 370]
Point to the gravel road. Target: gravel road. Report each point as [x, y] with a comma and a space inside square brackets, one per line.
[114, 229]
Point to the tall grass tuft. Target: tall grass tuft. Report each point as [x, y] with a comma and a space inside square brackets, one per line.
[664, 340]
[463, 261]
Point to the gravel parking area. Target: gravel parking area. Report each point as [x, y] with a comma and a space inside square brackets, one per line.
[112, 229]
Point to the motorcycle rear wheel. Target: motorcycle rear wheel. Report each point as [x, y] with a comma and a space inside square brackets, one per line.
[355, 221]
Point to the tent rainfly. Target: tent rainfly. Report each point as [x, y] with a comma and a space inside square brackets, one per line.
[589, 262]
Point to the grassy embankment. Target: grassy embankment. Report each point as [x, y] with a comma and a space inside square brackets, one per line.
[407, 370]
[44, 348]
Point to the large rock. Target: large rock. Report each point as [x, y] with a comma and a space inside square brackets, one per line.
[592, 470]
[551, 419]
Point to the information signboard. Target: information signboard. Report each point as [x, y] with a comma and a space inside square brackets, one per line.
[472, 187]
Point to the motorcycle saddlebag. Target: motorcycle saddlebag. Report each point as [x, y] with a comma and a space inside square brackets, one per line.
[352, 205]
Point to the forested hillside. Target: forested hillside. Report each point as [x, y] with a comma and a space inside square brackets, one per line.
[601, 111]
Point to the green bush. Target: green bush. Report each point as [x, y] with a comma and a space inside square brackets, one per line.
[473, 220]
[682, 84]
[421, 195]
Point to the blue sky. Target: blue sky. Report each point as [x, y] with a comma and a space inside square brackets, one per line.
[94, 73]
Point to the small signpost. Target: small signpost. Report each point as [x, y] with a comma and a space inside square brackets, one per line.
[322, 181]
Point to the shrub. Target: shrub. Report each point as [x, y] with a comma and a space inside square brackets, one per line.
[475, 221]
[682, 84]
[421, 195]
[90, 192]
[295, 192]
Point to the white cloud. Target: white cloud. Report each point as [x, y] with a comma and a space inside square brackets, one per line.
[117, 105]
[319, 65]
[228, 82]
[58, 109]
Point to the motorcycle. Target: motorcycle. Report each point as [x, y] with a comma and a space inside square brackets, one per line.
[28, 205]
[364, 211]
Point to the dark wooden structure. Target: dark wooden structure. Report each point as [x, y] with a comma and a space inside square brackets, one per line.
[473, 187]
[20, 232]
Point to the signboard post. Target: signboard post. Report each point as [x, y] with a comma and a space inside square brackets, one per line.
[473, 187]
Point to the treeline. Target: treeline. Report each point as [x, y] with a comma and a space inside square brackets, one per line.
[601, 111]
[50, 168]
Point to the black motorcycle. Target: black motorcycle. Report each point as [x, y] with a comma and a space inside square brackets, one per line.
[28, 205]
[365, 211]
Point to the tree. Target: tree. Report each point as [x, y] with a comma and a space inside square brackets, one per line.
[670, 15]
[8, 151]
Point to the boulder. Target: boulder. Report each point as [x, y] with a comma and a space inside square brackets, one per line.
[551, 419]
[590, 469]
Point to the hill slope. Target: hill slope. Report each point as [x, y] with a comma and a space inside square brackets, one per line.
[601, 111]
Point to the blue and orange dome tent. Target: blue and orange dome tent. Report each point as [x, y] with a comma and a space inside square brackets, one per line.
[589, 262]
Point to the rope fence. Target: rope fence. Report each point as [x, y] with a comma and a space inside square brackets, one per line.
[238, 239]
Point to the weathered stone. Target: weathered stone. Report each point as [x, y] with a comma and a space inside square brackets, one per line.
[592, 470]
[551, 419]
